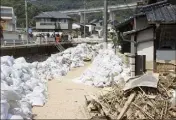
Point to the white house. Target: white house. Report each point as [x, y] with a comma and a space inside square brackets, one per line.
[53, 21]
[9, 18]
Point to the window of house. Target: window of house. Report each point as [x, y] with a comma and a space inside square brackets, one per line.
[42, 20]
[167, 38]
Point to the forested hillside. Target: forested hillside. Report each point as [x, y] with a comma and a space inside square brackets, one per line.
[19, 9]
[75, 4]
[37, 6]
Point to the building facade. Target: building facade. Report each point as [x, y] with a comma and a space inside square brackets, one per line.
[8, 18]
[53, 21]
[152, 33]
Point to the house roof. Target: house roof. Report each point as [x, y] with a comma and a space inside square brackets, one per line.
[136, 31]
[166, 14]
[128, 21]
[161, 12]
[52, 14]
[93, 21]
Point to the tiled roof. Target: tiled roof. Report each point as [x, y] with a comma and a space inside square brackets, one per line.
[129, 20]
[161, 12]
[166, 14]
[52, 14]
[93, 21]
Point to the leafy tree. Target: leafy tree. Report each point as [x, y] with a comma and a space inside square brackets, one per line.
[19, 9]
[38, 6]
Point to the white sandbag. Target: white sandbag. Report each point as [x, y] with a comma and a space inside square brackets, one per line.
[16, 81]
[17, 74]
[14, 117]
[37, 101]
[3, 77]
[39, 89]
[9, 80]
[32, 83]
[10, 94]
[18, 66]
[20, 60]
[8, 60]
[19, 111]
[26, 77]
[6, 70]
[4, 109]
[34, 64]
[13, 104]
[36, 98]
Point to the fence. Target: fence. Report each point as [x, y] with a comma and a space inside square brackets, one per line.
[31, 41]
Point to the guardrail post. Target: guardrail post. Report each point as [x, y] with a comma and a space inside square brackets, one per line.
[5, 42]
[40, 40]
[13, 42]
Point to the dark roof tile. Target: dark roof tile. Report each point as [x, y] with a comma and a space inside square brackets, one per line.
[52, 14]
[165, 14]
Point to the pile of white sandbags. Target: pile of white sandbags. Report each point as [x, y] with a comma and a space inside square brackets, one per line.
[23, 84]
[106, 67]
[21, 88]
[59, 64]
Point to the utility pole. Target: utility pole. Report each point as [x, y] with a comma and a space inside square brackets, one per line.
[26, 21]
[84, 19]
[105, 21]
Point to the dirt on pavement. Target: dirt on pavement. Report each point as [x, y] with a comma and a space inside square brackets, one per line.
[65, 98]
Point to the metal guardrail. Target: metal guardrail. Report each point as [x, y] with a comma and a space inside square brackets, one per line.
[17, 42]
[22, 43]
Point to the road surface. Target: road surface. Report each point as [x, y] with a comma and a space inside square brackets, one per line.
[66, 98]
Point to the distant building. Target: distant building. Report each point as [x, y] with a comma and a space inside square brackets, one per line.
[8, 18]
[80, 28]
[53, 21]
[91, 28]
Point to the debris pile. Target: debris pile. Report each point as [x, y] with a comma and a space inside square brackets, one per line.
[106, 68]
[141, 102]
[23, 84]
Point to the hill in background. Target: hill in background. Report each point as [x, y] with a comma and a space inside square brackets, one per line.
[38, 6]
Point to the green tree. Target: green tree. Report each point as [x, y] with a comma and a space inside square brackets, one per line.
[19, 9]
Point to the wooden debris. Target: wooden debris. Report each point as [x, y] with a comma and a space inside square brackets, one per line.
[95, 107]
[148, 103]
[126, 106]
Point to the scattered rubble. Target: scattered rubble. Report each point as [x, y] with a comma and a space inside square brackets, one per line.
[141, 102]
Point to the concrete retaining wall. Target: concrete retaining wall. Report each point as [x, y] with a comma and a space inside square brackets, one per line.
[32, 50]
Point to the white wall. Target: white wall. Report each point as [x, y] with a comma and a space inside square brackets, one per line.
[10, 35]
[91, 27]
[146, 48]
[166, 54]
